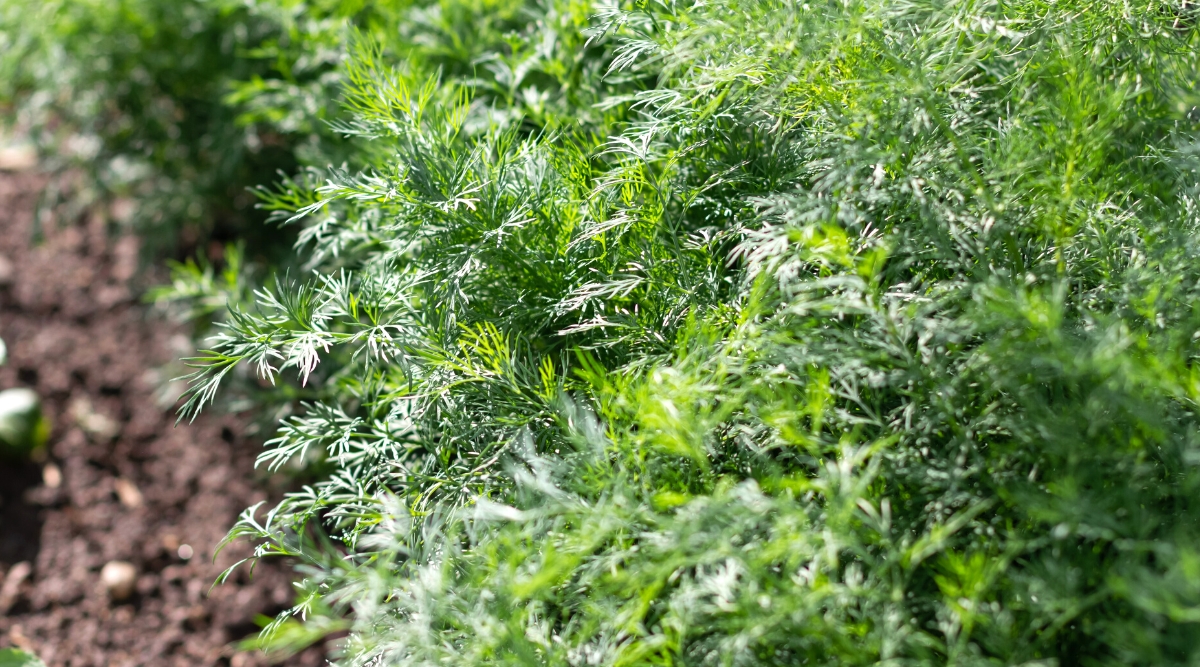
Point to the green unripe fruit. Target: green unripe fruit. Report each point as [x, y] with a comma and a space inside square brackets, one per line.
[23, 427]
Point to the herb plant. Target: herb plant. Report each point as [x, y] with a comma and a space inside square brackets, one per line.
[745, 332]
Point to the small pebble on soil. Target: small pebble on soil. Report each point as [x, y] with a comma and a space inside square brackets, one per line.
[118, 578]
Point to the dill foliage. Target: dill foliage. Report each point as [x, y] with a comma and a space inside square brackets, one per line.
[745, 332]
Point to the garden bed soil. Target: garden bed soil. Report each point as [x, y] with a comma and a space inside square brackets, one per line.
[119, 480]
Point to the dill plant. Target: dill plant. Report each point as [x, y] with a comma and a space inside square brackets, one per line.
[746, 332]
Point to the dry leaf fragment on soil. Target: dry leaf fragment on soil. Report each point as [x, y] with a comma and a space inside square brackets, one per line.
[94, 423]
[51, 476]
[16, 637]
[127, 493]
[12, 585]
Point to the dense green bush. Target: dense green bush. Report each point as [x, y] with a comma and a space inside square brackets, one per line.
[747, 332]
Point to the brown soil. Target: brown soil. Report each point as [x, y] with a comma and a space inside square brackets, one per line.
[119, 481]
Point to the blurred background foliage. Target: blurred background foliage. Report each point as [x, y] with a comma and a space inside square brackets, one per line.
[173, 110]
